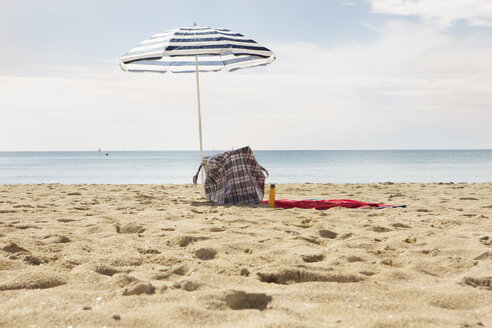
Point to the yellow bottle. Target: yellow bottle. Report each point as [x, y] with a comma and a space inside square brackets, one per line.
[271, 198]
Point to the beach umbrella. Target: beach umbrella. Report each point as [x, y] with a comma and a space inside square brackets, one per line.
[196, 49]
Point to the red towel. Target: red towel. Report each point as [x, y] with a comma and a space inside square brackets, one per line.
[323, 204]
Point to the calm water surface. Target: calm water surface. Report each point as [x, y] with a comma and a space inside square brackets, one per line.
[284, 166]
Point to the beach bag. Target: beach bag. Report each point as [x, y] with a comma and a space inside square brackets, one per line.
[233, 177]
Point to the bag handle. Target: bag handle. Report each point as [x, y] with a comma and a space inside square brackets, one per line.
[263, 169]
[195, 178]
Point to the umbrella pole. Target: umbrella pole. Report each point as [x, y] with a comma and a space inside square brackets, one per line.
[199, 117]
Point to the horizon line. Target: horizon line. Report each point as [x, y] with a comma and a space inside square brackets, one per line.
[223, 150]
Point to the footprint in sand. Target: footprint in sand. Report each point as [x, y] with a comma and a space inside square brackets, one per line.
[23, 206]
[309, 239]
[388, 262]
[482, 282]
[13, 248]
[400, 225]
[145, 251]
[390, 197]
[477, 324]
[184, 241]
[139, 288]
[122, 279]
[81, 208]
[66, 220]
[288, 276]
[483, 256]
[217, 229]
[189, 285]
[486, 240]
[58, 239]
[179, 270]
[327, 234]
[410, 240]
[8, 211]
[352, 259]
[35, 260]
[380, 229]
[431, 252]
[347, 235]
[106, 270]
[306, 223]
[130, 228]
[205, 253]
[311, 258]
[456, 301]
[32, 280]
[239, 300]
[25, 226]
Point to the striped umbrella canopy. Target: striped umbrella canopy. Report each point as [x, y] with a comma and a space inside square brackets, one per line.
[178, 50]
[196, 49]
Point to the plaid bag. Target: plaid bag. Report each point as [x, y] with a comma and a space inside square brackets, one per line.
[233, 177]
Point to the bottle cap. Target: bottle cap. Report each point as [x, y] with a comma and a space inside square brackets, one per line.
[272, 186]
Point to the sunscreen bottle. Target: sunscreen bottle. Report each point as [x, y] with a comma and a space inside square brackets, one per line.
[271, 199]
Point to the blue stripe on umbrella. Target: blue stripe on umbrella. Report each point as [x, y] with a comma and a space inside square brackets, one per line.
[194, 28]
[220, 38]
[215, 46]
[178, 63]
[208, 33]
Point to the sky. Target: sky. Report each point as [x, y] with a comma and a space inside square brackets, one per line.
[348, 74]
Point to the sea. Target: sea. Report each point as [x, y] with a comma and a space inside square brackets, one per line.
[284, 166]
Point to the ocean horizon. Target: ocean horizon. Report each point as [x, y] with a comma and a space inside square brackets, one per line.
[284, 166]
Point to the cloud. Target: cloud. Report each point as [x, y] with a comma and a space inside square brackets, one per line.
[411, 87]
[442, 13]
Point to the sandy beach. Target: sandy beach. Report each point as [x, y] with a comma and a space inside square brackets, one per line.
[162, 256]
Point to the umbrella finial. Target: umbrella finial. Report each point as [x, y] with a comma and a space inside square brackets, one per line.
[194, 24]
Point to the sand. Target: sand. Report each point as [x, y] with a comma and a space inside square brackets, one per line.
[162, 256]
